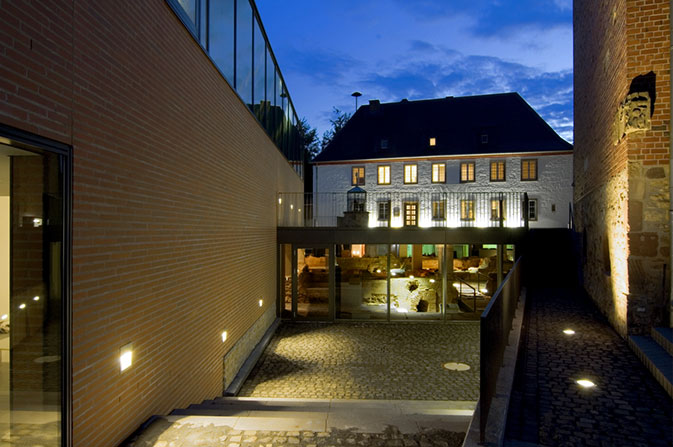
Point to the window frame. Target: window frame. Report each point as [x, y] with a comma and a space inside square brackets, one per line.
[504, 171]
[413, 170]
[386, 170]
[527, 171]
[441, 171]
[355, 181]
[467, 213]
[495, 212]
[439, 209]
[468, 164]
[535, 210]
[385, 217]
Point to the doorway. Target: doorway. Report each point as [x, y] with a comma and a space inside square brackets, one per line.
[410, 214]
[33, 291]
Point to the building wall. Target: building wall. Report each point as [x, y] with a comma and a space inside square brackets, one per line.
[553, 187]
[621, 180]
[169, 208]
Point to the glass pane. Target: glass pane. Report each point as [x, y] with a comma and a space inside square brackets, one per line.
[260, 71]
[361, 282]
[278, 112]
[31, 298]
[244, 51]
[189, 7]
[472, 282]
[312, 283]
[416, 282]
[270, 93]
[286, 280]
[221, 36]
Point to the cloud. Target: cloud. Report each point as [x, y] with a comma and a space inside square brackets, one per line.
[323, 66]
[550, 93]
[492, 18]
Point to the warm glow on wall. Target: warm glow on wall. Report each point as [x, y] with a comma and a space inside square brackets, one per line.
[357, 250]
[125, 357]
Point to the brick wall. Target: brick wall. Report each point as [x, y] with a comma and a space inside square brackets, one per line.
[621, 181]
[173, 180]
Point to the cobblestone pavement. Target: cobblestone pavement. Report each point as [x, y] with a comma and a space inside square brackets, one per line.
[368, 361]
[163, 433]
[626, 408]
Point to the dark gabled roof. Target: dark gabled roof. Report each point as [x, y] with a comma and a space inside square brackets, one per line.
[457, 124]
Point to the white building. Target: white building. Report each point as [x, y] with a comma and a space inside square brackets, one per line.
[448, 162]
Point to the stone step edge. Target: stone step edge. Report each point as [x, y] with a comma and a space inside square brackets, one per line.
[659, 362]
[664, 336]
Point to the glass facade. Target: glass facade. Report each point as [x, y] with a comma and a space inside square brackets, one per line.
[232, 34]
[32, 296]
[433, 282]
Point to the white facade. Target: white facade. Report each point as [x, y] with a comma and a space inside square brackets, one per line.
[551, 191]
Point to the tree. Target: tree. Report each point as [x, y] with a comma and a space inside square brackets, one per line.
[338, 122]
[308, 139]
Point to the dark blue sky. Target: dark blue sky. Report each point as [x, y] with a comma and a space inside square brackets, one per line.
[418, 49]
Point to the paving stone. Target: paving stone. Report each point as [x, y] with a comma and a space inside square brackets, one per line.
[627, 407]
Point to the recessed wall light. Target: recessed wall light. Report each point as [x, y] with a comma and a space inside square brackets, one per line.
[569, 332]
[280, 201]
[36, 298]
[125, 357]
[261, 302]
[3, 317]
[586, 383]
[224, 336]
[291, 206]
[411, 276]
[22, 306]
[432, 280]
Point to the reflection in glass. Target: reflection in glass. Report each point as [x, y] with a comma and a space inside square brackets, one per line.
[361, 282]
[270, 92]
[416, 279]
[221, 35]
[259, 89]
[31, 298]
[312, 283]
[189, 7]
[244, 51]
[286, 280]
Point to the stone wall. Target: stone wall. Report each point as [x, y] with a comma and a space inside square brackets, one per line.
[622, 86]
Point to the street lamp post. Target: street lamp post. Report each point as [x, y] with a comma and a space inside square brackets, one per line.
[356, 95]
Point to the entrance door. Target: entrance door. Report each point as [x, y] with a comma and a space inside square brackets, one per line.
[32, 295]
[410, 214]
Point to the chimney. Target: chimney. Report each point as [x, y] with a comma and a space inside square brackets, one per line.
[374, 105]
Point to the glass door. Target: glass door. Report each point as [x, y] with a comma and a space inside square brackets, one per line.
[31, 296]
[410, 214]
[311, 300]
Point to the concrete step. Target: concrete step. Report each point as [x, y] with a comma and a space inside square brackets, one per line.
[366, 416]
[657, 359]
[664, 336]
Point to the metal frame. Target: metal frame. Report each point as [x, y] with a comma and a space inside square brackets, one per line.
[35, 143]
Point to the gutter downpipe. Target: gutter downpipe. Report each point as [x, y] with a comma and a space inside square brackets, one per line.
[670, 158]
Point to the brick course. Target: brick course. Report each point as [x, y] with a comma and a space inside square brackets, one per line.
[173, 183]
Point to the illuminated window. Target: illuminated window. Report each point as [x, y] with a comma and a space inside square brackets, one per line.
[495, 209]
[467, 210]
[529, 169]
[410, 174]
[358, 178]
[438, 173]
[497, 171]
[467, 172]
[531, 212]
[433, 141]
[384, 175]
[438, 210]
[384, 211]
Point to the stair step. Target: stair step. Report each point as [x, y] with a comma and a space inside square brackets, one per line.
[322, 414]
[664, 336]
[657, 360]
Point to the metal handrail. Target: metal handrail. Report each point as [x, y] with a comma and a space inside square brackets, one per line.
[474, 292]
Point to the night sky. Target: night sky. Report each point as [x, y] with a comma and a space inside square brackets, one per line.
[419, 49]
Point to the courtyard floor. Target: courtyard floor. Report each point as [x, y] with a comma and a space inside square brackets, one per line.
[402, 361]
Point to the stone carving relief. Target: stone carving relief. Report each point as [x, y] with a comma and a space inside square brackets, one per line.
[633, 115]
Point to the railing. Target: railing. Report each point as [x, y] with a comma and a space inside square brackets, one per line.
[474, 292]
[402, 209]
[496, 322]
